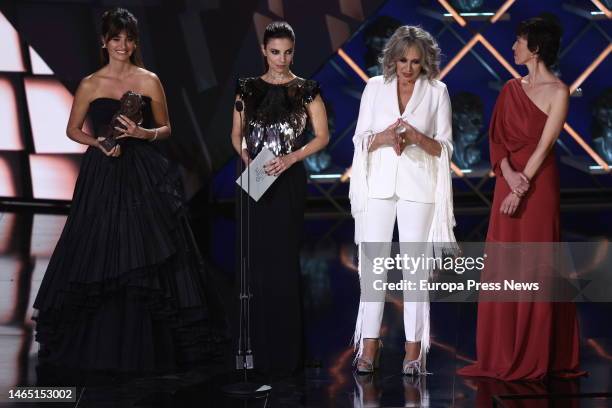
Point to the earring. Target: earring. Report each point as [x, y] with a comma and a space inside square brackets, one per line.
[103, 45]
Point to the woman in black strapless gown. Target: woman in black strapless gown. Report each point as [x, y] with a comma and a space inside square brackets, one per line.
[124, 289]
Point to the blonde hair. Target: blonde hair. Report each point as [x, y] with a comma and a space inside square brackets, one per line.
[411, 36]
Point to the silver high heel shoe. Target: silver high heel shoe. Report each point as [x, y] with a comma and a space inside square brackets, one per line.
[412, 367]
[367, 366]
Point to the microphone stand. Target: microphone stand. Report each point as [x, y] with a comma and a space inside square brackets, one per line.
[244, 356]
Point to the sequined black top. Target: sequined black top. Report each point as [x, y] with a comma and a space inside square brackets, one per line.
[275, 115]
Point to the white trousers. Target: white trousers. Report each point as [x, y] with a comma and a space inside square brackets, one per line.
[413, 221]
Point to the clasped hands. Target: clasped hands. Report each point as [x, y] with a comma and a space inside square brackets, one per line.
[398, 135]
[519, 185]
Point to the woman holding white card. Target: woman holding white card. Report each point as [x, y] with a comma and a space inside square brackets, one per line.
[401, 170]
[277, 107]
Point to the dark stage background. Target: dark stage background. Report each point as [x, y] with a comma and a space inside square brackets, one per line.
[199, 49]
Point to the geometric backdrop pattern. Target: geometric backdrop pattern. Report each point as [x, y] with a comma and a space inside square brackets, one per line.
[37, 159]
[477, 58]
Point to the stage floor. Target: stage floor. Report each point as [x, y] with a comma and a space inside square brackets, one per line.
[331, 292]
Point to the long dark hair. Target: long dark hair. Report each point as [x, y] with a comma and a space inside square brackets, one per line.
[277, 29]
[114, 21]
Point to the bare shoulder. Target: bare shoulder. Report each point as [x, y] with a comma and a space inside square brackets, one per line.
[147, 77]
[554, 88]
[148, 82]
[88, 87]
[560, 89]
[558, 92]
[90, 81]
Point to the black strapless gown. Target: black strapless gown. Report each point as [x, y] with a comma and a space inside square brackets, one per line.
[124, 289]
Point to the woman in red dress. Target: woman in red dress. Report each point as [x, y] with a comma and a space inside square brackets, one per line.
[527, 341]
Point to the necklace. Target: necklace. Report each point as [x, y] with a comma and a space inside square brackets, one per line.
[278, 79]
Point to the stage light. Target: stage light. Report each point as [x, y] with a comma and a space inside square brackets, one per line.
[498, 56]
[502, 10]
[603, 8]
[49, 104]
[10, 130]
[349, 61]
[11, 346]
[8, 222]
[46, 231]
[325, 176]
[590, 68]
[457, 170]
[460, 20]
[39, 66]
[451, 350]
[53, 176]
[471, 14]
[7, 181]
[10, 48]
[346, 175]
[599, 349]
[10, 268]
[586, 147]
[451, 64]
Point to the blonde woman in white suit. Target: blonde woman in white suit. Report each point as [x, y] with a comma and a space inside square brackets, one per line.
[401, 170]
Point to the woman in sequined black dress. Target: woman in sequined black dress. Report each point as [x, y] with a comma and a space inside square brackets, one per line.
[278, 106]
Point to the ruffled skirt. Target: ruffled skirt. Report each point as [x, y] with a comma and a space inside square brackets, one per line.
[124, 289]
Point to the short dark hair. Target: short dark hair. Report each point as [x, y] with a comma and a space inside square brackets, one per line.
[278, 29]
[543, 35]
[114, 21]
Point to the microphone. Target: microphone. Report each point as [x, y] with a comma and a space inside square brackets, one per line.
[239, 105]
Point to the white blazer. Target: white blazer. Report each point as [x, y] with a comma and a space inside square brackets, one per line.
[411, 176]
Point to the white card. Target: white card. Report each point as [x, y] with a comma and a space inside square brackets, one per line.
[254, 180]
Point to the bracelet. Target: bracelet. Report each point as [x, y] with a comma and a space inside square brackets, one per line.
[154, 136]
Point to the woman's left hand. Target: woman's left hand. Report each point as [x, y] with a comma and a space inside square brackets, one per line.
[276, 167]
[510, 204]
[408, 137]
[130, 129]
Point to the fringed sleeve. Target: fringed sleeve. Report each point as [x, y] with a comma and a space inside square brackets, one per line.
[358, 189]
[441, 233]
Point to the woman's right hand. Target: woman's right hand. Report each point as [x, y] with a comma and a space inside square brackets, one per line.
[387, 137]
[114, 152]
[244, 155]
[517, 181]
